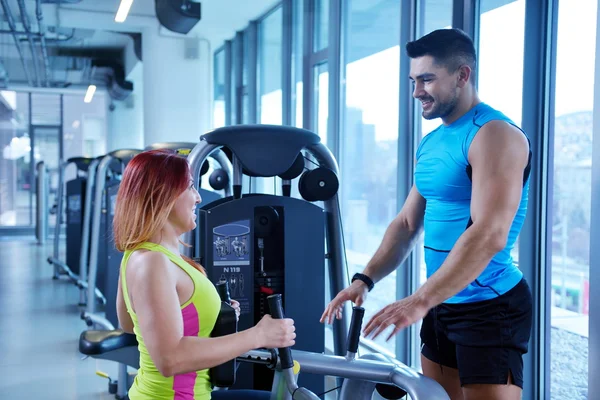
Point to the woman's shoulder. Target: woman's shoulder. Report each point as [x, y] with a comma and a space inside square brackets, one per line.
[146, 264]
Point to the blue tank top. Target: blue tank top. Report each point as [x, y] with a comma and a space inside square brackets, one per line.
[443, 178]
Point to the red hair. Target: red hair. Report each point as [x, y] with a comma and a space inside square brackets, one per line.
[152, 182]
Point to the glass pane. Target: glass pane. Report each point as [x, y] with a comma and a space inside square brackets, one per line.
[502, 55]
[85, 128]
[435, 14]
[245, 54]
[297, 51]
[571, 206]
[270, 47]
[245, 109]
[45, 109]
[234, 81]
[17, 173]
[321, 24]
[369, 145]
[219, 90]
[321, 100]
[46, 148]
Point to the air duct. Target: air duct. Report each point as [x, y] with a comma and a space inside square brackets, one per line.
[11, 23]
[118, 88]
[61, 1]
[42, 29]
[27, 27]
[178, 16]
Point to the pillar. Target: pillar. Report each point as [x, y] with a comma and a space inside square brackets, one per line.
[177, 83]
[126, 118]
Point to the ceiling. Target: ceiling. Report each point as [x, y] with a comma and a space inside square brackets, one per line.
[80, 31]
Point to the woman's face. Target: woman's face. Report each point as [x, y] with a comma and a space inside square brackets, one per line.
[183, 214]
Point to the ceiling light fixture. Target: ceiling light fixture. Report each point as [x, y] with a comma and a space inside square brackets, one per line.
[90, 94]
[123, 10]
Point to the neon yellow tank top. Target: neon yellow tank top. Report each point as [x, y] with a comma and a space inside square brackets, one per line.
[199, 314]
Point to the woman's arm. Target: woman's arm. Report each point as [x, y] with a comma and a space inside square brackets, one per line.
[122, 314]
[156, 303]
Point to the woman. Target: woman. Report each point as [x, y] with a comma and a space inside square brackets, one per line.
[166, 299]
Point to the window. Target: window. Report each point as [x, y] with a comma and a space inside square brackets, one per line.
[571, 206]
[434, 15]
[500, 58]
[321, 35]
[234, 81]
[369, 143]
[321, 100]
[17, 169]
[297, 58]
[501, 55]
[270, 47]
[219, 90]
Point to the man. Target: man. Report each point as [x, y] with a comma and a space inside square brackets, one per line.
[470, 199]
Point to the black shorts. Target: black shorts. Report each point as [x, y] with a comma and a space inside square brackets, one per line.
[484, 340]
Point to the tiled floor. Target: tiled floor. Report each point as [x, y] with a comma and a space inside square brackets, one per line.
[39, 331]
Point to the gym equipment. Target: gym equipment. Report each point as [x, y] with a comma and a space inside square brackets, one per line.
[362, 376]
[392, 379]
[77, 193]
[102, 255]
[265, 244]
[224, 375]
[41, 197]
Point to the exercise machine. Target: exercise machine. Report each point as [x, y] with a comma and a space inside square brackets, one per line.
[361, 376]
[107, 178]
[41, 198]
[264, 244]
[78, 194]
[75, 194]
[276, 247]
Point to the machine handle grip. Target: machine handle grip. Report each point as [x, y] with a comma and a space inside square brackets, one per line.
[355, 326]
[285, 354]
[223, 290]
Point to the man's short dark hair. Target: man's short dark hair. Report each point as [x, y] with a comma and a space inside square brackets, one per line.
[449, 48]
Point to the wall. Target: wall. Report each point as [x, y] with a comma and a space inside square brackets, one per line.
[126, 120]
[177, 82]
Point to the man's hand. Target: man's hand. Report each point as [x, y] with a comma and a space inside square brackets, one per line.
[356, 292]
[402, 314]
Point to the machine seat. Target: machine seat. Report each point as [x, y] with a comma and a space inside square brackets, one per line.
[93, 343]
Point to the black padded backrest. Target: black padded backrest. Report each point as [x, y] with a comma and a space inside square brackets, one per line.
[182, 148]
[263, 150]
[82, 163]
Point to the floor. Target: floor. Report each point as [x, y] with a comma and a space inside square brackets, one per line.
[40, 328]
[39, 331]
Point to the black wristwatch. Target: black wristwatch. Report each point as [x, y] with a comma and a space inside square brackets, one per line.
[365, 279]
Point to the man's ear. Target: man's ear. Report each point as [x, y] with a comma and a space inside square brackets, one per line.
[464, 74]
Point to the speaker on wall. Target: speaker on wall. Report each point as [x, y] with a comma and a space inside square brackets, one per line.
[179, 16]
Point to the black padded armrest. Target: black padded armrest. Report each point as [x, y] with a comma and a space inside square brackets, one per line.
[100, 342]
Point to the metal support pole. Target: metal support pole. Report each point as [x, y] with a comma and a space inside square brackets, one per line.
[41, 225]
